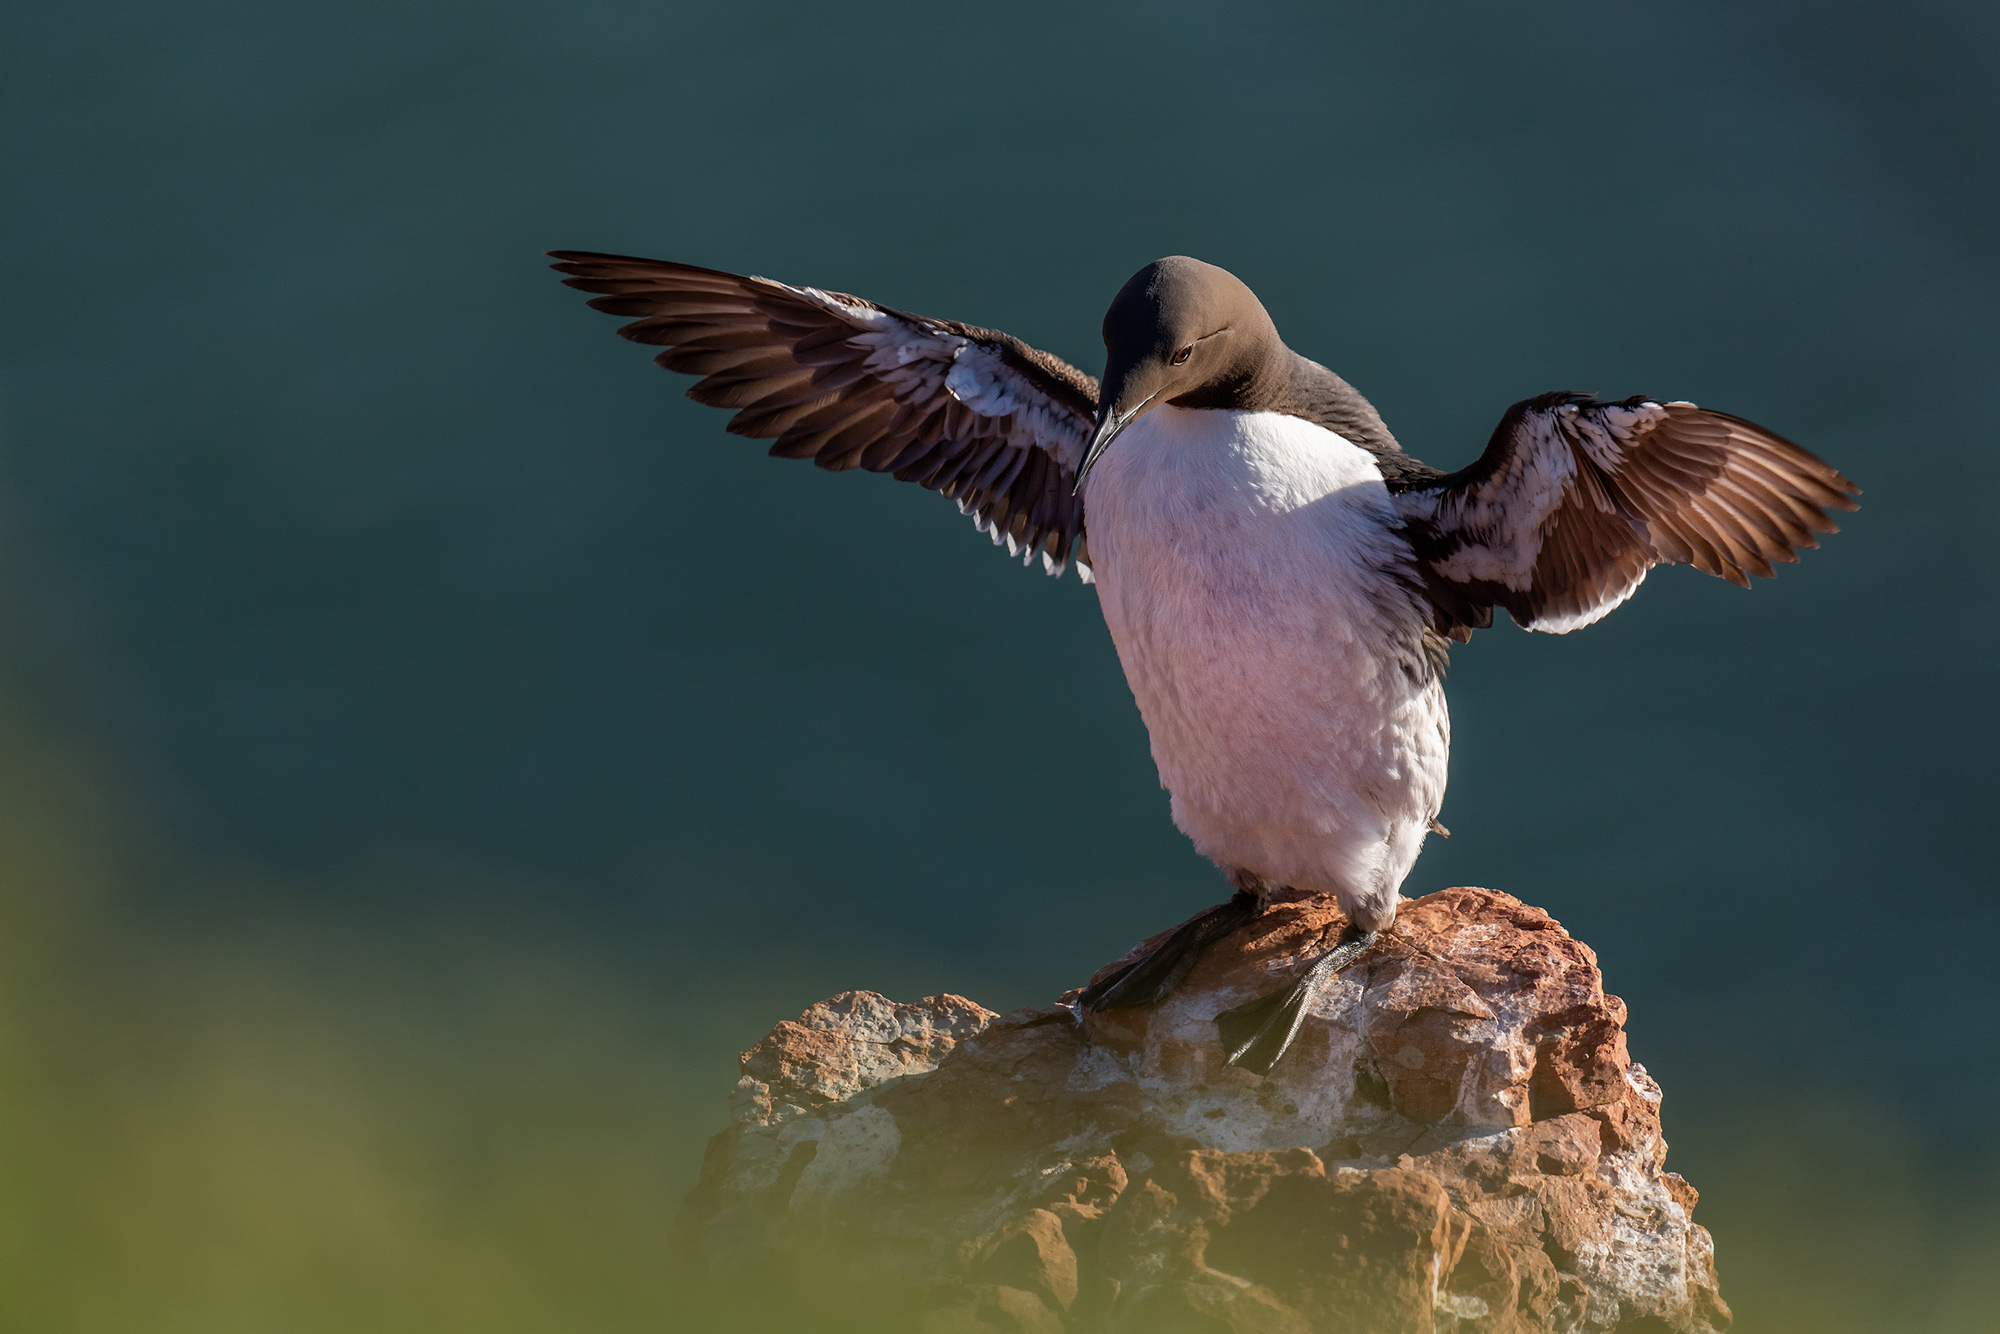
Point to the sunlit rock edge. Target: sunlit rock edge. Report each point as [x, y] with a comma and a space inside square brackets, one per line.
[1457, 1140]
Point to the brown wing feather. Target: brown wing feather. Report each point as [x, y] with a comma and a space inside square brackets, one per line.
[1575, 500]
[849, 384]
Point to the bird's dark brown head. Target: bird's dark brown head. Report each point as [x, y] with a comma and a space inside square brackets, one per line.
[1180, 332]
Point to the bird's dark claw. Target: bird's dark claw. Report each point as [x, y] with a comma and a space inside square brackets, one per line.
[1153, 975]
[1256, 1034]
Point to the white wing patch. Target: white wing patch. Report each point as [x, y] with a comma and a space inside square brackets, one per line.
[868, 317]
[909, 355]
[1562, 624]
[975, 380]
[1604, 432]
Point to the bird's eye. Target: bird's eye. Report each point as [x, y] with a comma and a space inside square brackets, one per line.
[1180, 357]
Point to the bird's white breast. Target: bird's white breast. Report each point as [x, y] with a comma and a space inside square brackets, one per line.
[1259, 596]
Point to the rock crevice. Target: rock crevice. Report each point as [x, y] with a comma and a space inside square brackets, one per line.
[1458, 1140]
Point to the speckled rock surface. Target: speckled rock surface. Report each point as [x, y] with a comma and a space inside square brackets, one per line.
[1458, 1140]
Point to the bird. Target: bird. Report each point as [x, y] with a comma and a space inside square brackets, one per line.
[1282, 582]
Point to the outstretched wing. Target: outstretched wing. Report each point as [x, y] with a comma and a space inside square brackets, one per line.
[974, 414]
[1575, 499]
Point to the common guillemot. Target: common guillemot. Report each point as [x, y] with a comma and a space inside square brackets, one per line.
[1280, 579]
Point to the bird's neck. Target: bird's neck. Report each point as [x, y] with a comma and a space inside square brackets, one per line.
[1257, 378]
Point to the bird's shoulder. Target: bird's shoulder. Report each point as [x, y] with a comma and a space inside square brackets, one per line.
[1314, 393]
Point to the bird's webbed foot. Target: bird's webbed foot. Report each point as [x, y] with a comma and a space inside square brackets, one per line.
[1256, 1034]
[1153, 975]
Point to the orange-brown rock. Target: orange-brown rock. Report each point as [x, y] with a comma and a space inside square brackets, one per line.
[1457, 1140]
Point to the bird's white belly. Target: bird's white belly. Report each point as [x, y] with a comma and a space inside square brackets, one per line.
[1257, 592]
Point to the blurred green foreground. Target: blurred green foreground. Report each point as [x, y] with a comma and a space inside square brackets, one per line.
[294, 1128]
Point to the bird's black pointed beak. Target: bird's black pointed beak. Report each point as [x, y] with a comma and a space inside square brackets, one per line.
[1110, 421]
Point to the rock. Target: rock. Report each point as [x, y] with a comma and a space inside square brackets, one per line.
[1457, 1140]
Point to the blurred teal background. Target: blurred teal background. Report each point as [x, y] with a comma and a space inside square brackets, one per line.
[430, 748]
